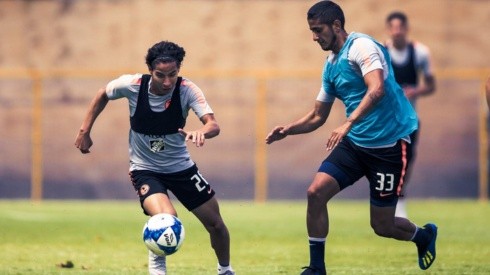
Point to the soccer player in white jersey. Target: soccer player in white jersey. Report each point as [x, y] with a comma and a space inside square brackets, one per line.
[159, 103]
[372, 142]
[413, 71]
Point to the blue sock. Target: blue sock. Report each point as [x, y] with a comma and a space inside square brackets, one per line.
[317, 253]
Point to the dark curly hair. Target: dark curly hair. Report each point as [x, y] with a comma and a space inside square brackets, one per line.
[163, 52]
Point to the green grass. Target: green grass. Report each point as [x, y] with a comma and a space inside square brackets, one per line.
[104, 237]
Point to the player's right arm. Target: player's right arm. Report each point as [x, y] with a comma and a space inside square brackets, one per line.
[83, 141]
[309, 123]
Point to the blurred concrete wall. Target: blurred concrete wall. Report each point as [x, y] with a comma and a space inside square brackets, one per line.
[223, 35]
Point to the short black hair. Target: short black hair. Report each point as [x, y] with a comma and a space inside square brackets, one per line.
[164, 51]
[327, 12]
[397, 15]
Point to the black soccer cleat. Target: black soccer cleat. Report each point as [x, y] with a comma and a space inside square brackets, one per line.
[427, 253]
[309, 270]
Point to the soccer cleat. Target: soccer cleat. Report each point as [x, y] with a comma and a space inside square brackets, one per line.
[309, 270]
[228, 270]
[427, 253]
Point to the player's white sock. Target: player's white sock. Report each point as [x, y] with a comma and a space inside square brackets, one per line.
[414, 233]
[224, 269]
[156, 264]
[401, 208]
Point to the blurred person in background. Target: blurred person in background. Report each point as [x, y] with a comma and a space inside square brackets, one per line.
[487, 92]
[413, 71]
[159, 103]
[374, 141]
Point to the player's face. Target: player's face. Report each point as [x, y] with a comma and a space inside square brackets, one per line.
[163, 78]
[323, 34]
[397, 31]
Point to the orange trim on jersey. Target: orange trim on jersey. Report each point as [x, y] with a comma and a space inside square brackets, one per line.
[404, 167]
[196, 91]
[136, 81]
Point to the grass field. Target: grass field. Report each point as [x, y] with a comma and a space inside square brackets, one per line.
[104, 237]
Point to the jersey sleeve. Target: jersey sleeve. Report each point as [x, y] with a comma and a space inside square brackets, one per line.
[124, 86]
[323, 96]
[423, 59]
[327, 90]
[366, 54]
[195, 99]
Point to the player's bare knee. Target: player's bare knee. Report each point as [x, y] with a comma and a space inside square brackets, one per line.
[216, 227]
[316, 196]
[311, 193]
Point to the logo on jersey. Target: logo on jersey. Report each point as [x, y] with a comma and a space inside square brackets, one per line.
[385, 194]
[157, 145]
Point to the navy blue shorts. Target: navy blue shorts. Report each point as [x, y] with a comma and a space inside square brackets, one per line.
[385, 168]
[188, 186]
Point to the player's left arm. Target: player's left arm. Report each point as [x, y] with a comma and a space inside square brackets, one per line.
[197, 102]
[424, 88]
[209, 130]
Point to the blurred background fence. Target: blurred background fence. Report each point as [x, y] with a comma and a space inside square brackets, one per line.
[258, 67]
[42, 111]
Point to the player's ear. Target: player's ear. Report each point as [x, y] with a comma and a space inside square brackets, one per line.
[336, 26]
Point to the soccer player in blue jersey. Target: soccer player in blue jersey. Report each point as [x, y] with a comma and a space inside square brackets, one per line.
[374, 141]
[159, 103]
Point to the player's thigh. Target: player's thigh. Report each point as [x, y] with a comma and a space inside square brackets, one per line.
[339, 170]
[158, 203]
[152, 192]
[382, 215]
[190, 188]
[387, 171]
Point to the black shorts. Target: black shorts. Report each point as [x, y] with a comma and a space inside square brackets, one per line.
[385, 168]
[188, 186]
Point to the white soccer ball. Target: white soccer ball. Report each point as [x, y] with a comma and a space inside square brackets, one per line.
[163, 234]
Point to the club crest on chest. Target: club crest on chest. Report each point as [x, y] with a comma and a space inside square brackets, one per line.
[157, 145]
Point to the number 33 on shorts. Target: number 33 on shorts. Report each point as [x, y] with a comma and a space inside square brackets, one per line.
[385, 184]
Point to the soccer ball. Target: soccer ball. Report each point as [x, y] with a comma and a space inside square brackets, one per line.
[163, 234]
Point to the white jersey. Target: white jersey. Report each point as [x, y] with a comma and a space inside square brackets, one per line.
[402, 58]
[422, 57]
[165, 153]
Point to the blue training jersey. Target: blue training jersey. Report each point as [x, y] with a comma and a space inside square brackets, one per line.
[391, 119]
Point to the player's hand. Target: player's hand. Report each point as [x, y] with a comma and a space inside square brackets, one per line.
[83, 142]
[410, 92]
[197, 137]
[338, 134]
[276, 134]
